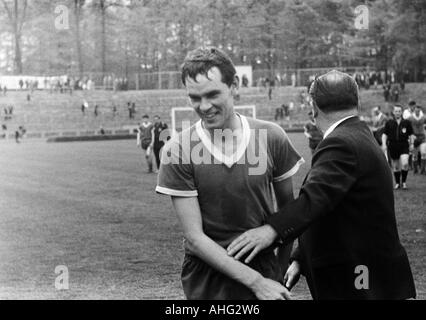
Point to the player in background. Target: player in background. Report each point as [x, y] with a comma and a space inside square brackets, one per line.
[418, 121]
[379, 121]
[157, 141]
[399, 134]
[313, 133]
[144, 140]
[407, 115]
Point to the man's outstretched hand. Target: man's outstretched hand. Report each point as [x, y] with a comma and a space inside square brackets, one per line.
[254, 241]
[292, 275]
[268, 289]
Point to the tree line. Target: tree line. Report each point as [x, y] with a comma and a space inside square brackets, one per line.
[124, 37]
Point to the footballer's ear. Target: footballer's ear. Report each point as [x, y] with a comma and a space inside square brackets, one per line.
[315, 109]
[235, 85]
[236, 82]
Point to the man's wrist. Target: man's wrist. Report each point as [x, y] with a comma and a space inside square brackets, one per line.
[272, 232]
[253, 283]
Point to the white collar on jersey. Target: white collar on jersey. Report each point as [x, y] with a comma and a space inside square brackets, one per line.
[417, 118]
[229, 161]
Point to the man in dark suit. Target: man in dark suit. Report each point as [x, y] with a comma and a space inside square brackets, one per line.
[344, 217]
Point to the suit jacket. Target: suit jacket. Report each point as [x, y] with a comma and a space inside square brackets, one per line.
[349, 245]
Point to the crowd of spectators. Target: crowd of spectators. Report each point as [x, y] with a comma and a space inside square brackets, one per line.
[85, 107]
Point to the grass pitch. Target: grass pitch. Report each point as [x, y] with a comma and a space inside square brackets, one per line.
[90, 206]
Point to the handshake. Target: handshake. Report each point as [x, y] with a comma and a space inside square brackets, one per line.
[254, 241]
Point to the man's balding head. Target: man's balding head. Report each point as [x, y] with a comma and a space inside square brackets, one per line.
[335, 91]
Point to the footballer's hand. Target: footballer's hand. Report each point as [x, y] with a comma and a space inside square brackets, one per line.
[254, 241]
[292, 275]
[267, 289]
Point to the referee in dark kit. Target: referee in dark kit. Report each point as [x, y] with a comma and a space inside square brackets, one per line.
[399, 138]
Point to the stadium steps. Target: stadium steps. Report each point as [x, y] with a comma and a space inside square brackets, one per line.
[54, 111]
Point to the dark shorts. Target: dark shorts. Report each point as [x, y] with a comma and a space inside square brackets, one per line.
[419, 140]
[398, 149]
[145, 144]
[202, 282]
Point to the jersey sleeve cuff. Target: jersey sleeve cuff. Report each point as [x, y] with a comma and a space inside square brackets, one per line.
[291, 172]
[176, 193]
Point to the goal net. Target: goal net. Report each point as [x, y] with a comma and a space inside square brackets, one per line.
[183, 117]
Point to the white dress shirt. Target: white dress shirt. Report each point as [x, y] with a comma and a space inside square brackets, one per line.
[334, 125]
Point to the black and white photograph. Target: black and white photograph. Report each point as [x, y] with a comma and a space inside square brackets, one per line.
[218, 150]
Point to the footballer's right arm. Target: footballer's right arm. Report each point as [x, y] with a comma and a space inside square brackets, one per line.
[189, 215]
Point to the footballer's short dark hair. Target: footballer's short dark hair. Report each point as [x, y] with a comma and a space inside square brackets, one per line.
[201, 60]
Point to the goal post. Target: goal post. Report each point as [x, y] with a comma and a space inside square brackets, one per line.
[187, 115]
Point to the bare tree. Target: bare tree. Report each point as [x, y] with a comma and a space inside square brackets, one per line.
[78, 4]
[102, 7]
[16, 13]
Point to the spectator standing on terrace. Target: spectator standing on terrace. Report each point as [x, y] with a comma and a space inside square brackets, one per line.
[271, 88]
[20, 134]
[95, 111]
[71, 85]
[4, 131]
[17, 136]
[395, 92]
[84, 107]
[129, 107]
[286, 109]
[279, 113]
[386, 91]
[134, 109]
[245, 81]
[4, 90]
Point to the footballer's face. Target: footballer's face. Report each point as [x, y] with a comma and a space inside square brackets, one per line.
[397, 112]
[212, 99]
